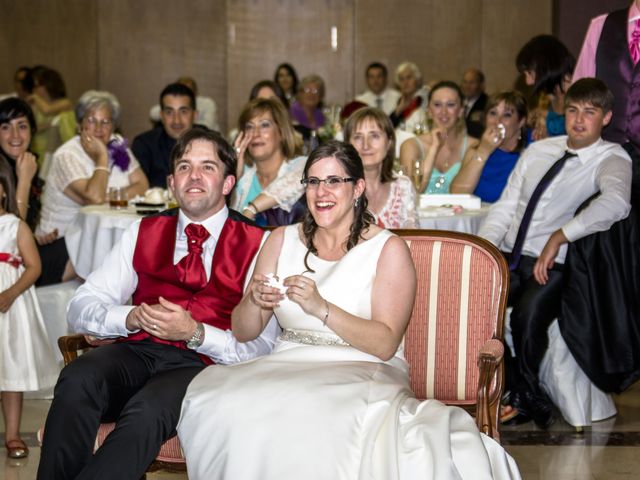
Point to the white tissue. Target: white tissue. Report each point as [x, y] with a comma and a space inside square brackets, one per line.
[275, 283]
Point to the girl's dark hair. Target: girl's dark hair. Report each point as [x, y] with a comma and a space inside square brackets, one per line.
[289, 68]
[516, 100]
[51, 80]
[12, 108]
[549, 59]
[273, 86]
[7, 181]
[348, 157]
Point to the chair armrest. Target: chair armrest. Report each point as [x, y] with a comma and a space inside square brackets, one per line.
[491, 351]
[490, 359]
[70, 345]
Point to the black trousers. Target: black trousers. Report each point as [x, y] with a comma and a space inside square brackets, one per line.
[535, 306]
[139, 385]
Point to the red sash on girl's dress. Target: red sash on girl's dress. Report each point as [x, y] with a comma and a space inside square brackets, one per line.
[11, 259]
[238, 244]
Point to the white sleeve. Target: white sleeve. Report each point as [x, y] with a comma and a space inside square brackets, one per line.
[501, 214]
[613, 178]
[99, 306]
[287, 189]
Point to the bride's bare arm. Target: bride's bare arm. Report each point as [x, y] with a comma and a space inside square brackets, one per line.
[393, 294]
[253, 312]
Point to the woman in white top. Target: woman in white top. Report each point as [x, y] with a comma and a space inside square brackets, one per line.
[433, 159]
[82, 171]
[266, 149]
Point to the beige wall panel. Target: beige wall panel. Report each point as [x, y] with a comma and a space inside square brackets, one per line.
[146, 44]
[442, 38]
[263, 34]
[507, 26]
[57, 33]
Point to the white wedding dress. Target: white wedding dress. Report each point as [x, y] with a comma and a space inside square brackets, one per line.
[318, 409]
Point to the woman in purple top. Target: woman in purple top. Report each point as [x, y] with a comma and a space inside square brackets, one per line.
[307, 109]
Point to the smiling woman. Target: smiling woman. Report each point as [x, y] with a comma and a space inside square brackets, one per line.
[266, 149]
[81, 172]
[17, 126]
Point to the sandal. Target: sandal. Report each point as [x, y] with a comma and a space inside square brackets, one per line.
[507, 413]
[16, 449]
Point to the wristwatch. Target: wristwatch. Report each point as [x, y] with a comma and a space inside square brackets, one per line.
[197, 338]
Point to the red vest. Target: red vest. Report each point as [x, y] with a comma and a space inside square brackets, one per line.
[238, 244]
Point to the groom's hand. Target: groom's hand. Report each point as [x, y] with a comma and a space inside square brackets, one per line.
[167, 321]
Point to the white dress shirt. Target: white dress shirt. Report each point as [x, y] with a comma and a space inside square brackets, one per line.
[99, 306]
[389, 99]
[602, 166]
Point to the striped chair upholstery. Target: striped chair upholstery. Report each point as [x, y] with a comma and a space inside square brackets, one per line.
[454, 340]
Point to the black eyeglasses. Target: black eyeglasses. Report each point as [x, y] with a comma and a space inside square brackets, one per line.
[329, 182]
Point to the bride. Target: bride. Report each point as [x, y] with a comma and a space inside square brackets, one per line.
[332, 400]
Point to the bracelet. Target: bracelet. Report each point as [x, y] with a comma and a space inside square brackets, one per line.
[326, 315]
[477, 157]
[102, 169]
[252, 208]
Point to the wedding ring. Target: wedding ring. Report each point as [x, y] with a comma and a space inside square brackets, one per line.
[237, 149]
[154, 326]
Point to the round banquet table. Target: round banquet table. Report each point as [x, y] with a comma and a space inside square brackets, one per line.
[95, 231]
[441, 218]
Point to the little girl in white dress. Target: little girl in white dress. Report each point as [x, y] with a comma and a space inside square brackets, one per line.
[27, 362]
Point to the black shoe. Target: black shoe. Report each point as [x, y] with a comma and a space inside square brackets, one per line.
[540, 409]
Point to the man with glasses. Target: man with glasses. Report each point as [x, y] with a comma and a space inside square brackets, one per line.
[153, 148]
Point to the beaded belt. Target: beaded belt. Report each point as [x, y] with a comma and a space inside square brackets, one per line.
[308, 337]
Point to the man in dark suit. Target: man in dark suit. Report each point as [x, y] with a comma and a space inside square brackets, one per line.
[474, 101]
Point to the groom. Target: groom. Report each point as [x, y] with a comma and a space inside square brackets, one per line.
[185, 270]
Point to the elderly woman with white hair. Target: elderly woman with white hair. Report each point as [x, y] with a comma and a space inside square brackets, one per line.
[411, 107]
[307, 109]
[82, 170]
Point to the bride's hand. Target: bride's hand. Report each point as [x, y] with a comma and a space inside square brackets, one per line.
[304, 292]
[262, 295]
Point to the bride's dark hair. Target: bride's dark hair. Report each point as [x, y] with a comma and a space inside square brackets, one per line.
[348, 157]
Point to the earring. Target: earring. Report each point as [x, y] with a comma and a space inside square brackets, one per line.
[356, 202]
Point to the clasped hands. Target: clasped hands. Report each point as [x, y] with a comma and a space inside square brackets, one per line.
[299, 289]
[164, 320]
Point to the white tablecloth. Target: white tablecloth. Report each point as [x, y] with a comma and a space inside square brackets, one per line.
[95, 231]
[467, 221]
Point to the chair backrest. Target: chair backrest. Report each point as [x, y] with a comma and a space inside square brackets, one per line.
[460, 304]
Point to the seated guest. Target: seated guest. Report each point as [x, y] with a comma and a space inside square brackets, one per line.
[332, 400]
[153, 148]
[268, 89]
[410, 109]
[306, 111]
[486, 167]
[54, 115]
[287, 79]
[547, 66]
[434, 158]
[17, 126]
[534, 220]
[266, 149]
[475, 101]
[207, 109]
[392, 197]
[185, 270]
[82, 171]
[378, 94]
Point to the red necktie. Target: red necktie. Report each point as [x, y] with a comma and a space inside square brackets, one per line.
[634, 43]
[191, 269]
